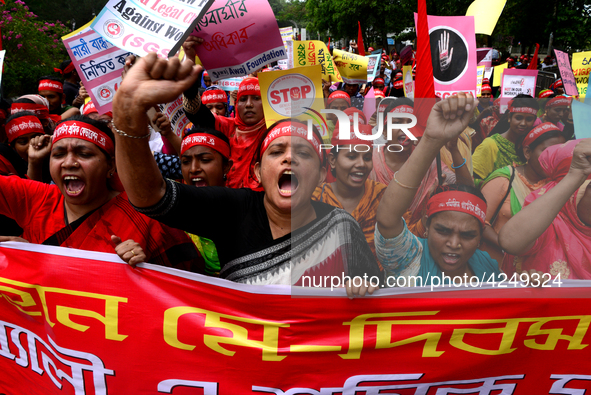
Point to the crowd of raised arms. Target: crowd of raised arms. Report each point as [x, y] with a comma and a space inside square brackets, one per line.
[488, 188]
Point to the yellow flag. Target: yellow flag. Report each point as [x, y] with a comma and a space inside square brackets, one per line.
[499, 74]
[486, 13]
[311, 53]
[353, 68]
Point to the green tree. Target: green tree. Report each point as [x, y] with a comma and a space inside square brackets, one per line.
[82, 11]
[33, 48]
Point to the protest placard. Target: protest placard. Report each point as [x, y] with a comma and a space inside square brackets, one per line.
[373, 67]
[353, 68]
[581, 69]
[293, 93]
[409, 83]
[453, 54]
[498, 73]
[241, 37]
[484, 57]
[2, 55]
[230, 84]
[99, 65]
[311, 53]
[286, 35]
[479, 76]
[176, 114]
[519, 82]
[566, 72]
[144, 26]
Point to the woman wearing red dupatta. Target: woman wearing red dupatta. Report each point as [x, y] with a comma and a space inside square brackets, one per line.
[244, 131]
[553, 231]
[81, 210]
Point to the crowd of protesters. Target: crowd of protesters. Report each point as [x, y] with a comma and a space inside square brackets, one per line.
[488, 188]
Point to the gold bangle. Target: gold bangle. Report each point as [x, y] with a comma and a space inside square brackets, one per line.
[401, 184]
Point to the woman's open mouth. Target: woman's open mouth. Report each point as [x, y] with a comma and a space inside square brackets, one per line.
[451, 259]
[199, 182]
[357, 176]
[73, 185]
[288, 183]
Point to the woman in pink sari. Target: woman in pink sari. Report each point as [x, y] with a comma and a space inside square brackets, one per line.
[553, 231]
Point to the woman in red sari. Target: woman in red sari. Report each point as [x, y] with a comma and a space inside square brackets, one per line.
[81, 210]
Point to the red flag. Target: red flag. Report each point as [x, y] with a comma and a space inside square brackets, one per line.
[533, 65]
[360, 46]
[424, 84]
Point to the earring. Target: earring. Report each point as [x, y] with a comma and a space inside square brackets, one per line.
[112, 174]
[225, 177]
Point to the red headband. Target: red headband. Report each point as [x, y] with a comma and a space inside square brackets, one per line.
[524, 110]
[398, 84]
[403, 109]
[23, 125]
[50, 85]
[67, 70]
[378, 93]
[463, 202]
[287, 128]
[207, 140]
[558, 84]
[205, 74]
[214, 96]
[89, 108]
[558, 101]
[545, 93]
[84, 131]
[360, 115]
[38, 109]
[365, 130]
[249, 86]
[379, 81]
[339, 95]
[538, 131]
[486, 88]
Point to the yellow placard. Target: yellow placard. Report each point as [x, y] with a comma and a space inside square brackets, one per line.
[479, 77]
[486, 13]
[581, 69]
[353, 68]
[499, 74]
[293, 93]
[313, 52]
[409, 84]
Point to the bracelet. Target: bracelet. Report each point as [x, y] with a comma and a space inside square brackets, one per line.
[401, 184]
[454, 167]
[121, 133]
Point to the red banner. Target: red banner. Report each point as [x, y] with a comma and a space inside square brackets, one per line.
[78, 322]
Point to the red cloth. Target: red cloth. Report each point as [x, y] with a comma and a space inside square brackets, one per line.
[6, 168]
[425, 85]
[244, 143]
[38, 208]
[360, 46]
[534, 60]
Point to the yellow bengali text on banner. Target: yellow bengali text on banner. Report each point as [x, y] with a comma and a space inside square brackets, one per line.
[311, 53]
